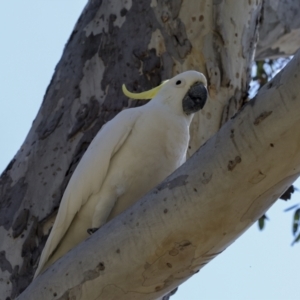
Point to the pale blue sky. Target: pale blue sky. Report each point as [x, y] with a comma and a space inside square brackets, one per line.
[258, 266]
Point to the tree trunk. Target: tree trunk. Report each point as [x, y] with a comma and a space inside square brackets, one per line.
[137, 43]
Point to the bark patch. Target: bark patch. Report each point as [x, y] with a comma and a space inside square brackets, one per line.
[175, 260]
[261, 117]
[206, 177]
[232, 163]
[92, 274]
[174, 30]
[20, 223]
[11, 201]
[4, 263]
[85, 116]
[46, 128]
[174, 183]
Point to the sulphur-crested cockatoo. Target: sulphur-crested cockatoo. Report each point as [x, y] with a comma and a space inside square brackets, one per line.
[130, 155]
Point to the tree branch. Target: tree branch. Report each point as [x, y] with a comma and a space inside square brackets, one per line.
[196, 213]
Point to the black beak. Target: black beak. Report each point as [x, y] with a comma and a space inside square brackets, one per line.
[195, 98]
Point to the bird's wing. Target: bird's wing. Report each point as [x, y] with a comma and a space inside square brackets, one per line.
[89, 176]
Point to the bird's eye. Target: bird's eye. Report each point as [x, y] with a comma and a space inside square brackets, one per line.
[178, 82]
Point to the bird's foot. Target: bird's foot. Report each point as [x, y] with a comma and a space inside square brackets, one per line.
[90, 231]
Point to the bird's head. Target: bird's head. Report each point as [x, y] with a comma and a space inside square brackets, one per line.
[185, 92]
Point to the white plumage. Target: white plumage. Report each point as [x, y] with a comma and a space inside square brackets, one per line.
[130, 155]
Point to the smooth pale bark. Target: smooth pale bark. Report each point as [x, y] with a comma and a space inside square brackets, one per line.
[138, 43]
[279, 33]
[195, 213]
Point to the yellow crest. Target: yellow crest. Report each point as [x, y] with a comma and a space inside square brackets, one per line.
[144, 95]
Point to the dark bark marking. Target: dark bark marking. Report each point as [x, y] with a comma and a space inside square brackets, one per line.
[232, 163]
[29, 244]
[101, 266]
[174, 183]
[261, 117]
[4, 263]
[21, 277]
[234, 104]
[167, 63]
[173, 29]
[19, 283]
[180, 40]
[85, 116]
[123, 12]
[76, 158]
[20, 224]
[46, 127]
[151, 64]
[206, 177]
[219, 42]
[92, 274]
[165, 16]
[11, 200]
